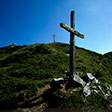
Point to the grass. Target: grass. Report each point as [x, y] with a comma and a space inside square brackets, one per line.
[30, 67]
[14, 90]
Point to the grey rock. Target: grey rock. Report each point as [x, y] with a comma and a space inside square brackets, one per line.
[79, 80]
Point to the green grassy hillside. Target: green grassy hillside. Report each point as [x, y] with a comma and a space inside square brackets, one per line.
[109, 54]
[24, 69]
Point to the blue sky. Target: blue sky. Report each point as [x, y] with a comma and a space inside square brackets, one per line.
[35, 21]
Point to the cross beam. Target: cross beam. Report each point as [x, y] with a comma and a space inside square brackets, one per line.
[73, 32]
[66, 27]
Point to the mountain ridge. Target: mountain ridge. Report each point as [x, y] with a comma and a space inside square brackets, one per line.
[109, 54]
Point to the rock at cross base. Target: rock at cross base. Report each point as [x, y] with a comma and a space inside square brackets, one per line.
[77, 78]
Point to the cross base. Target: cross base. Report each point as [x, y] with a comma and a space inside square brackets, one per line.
[57, 82]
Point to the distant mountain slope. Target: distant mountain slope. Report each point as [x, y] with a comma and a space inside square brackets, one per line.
[109, 54]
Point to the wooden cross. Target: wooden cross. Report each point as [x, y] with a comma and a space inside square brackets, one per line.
[73, 32]
[54, 35]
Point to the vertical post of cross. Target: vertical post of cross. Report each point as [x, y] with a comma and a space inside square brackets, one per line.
[72, 46]
[54, 35]
[73, 32]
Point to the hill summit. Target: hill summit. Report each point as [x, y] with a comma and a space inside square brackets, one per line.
[41, 61]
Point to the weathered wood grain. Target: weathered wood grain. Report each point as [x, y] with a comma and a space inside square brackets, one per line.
[69, 29]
